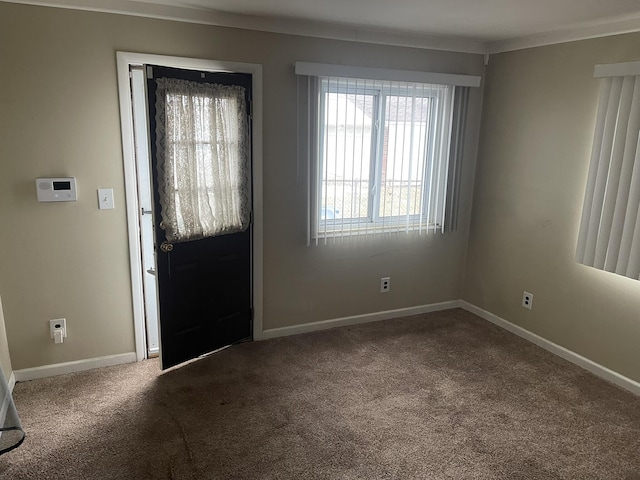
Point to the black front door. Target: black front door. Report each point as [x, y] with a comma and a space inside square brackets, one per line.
[204, 285]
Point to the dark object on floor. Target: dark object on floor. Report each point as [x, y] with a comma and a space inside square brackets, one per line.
[11, 433]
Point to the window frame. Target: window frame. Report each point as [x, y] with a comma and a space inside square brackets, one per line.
[437, 98]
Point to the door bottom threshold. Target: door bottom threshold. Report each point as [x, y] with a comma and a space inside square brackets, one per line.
[208, 354]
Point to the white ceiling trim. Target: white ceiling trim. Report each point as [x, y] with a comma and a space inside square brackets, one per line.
[340, 32]
[584, 32]
[273, 25]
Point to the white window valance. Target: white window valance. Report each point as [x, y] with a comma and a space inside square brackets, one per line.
[386, 74]
[616, 69]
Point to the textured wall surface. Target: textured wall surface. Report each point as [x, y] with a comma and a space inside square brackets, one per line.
[60, 117]
[537, 129]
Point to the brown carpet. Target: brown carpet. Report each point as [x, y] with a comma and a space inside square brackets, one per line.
[443, 395]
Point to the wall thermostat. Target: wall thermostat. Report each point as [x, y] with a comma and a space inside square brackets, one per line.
[60, 189]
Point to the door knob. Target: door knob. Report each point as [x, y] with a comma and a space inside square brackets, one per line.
[152, 271]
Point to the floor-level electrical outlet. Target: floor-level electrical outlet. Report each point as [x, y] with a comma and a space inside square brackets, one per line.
[385, 284]
[527, 300]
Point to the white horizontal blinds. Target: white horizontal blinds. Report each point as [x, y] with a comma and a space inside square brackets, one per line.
[609, 237]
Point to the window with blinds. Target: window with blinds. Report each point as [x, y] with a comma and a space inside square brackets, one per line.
[383, 151]
[384, 155]
[609, 237]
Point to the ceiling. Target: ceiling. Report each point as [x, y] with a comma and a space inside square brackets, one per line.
[481, 26]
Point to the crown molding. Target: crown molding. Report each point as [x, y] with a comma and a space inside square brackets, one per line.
[266, 24]
[334, 31]
[583, 32]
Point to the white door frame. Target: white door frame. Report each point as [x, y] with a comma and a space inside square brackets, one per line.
[124, 61]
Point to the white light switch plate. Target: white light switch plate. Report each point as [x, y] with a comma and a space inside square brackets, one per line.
[105, 198]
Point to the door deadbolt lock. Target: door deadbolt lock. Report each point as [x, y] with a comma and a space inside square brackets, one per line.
[166, 247]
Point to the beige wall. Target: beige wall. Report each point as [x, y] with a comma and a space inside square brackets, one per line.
[60, 117]
[537, 128]
[5, 359]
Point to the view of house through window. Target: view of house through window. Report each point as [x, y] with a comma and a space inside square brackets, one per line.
[383, 152]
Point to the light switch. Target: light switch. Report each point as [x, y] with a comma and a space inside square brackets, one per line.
[105, 198]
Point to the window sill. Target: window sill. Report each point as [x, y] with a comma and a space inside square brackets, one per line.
[360, 230]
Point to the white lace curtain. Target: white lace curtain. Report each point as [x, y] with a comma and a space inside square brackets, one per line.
[203, 157]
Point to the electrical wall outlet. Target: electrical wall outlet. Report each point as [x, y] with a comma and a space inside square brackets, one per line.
[527, 300]
[385, 284]
[56, 324]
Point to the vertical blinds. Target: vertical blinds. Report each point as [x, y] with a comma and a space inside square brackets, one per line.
[609, 237]
[383, 156]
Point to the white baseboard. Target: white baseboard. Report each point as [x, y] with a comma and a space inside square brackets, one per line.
[589, 365]
[71, 367]
[357, 319]
[11, 381]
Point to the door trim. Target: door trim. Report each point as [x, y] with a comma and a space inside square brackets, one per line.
[124, 61]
